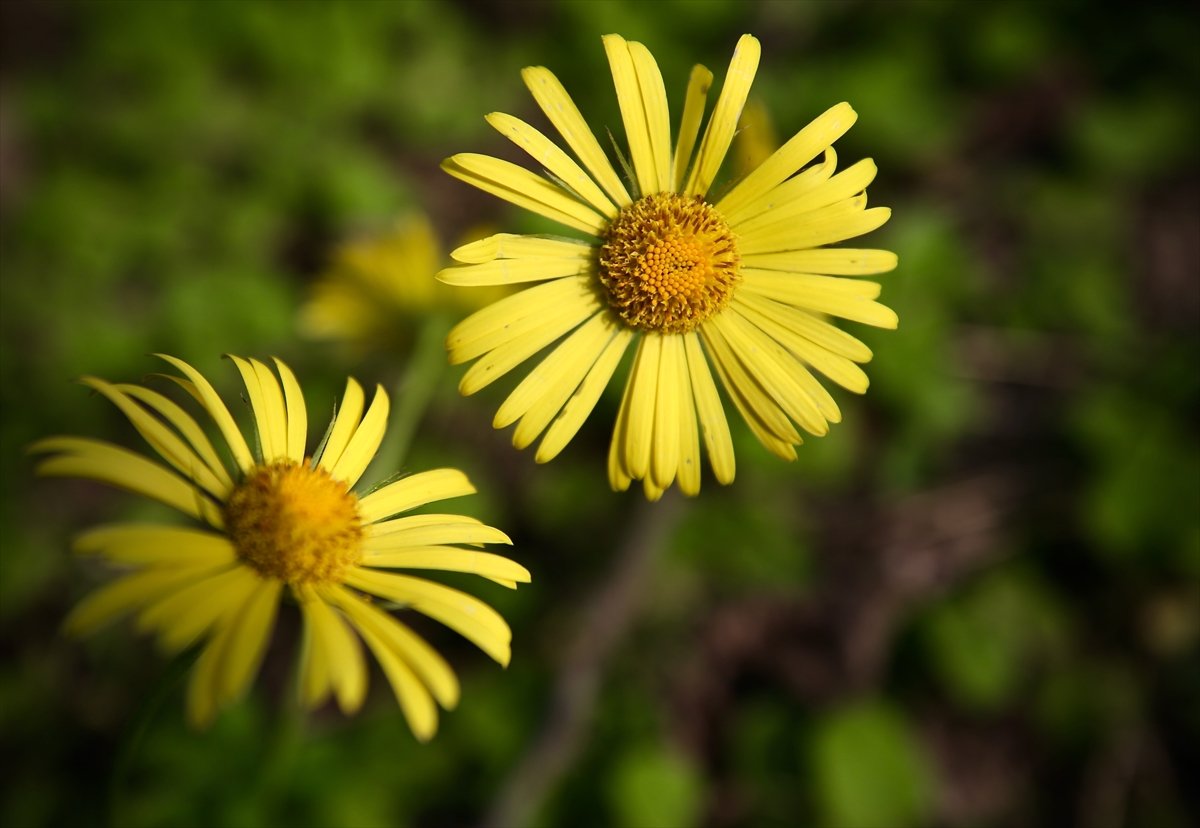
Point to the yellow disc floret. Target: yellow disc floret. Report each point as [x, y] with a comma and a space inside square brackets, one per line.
[668, 263]
[295, 523]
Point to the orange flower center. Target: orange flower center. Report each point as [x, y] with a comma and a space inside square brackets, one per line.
[668, 262]
[295, 523]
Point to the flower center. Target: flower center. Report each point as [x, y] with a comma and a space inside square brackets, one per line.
[294, 523]
[669, 262]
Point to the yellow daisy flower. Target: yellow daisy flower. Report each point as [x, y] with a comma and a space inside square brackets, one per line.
[279, 520]
[375, 282]
[742, 282]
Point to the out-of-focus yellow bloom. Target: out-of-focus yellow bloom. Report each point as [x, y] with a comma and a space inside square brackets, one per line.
[756, 139]
[376, 284]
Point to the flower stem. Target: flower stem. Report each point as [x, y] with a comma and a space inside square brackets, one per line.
[413, 393]
[139, 726]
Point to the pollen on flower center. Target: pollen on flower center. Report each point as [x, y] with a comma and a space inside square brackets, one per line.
[294, 523]
[668, 263]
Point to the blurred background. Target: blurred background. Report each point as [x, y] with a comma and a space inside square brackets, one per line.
[975, 603]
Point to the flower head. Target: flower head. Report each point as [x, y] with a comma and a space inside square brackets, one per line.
[743, 283]
[375, 282]
[279, 521]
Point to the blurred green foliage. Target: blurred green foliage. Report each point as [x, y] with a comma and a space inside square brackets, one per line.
[849, 640]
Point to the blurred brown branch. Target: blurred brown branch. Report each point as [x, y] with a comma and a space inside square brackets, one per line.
[604, 622]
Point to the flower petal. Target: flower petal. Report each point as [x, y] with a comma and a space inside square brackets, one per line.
[511, 246]
[413, 491]
[713, 425]
[360, 451]
[562, 112]
[217, 410]
[699, 83]
[297, 413]
[344, 424]
[725, 116]
[804, 146]
[527, 190]
[556, 162]
[116, 466]
[581, 404]
[461, 612]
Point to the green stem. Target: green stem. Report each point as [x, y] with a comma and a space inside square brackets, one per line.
[135, 733]
[413, 394]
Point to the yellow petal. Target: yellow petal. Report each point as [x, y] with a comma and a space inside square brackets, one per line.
[618, 475]
[713, 425]
[787, 287]
[639, 427]
[760, 410]
[170, 447]
[344, 425]
[297, 413]
[845, 305]
[183, 616]
[428, 665]
[131, 593]
[664, 454]
[116, 466]
[217, 410]
[657, 117]
[336, 659]
[509, 355]
[804, 146]
[557, 376]
[510, 246]
[834, 261]
[699, 83]
[689, 435]
[472, 532]
[203, 694]
[365, 442]
[726, 115]
[562, 112]
[527, 190]
[276, 410]
[795, 187]
[450, 559]
[143, 544]
[266, 428]
[253, 631]
[414, 700]
[776, 324]
[633, 93]
[463, 613]
[780, 238]
[555, 161]
[185, 424]
[413, 491]
[769, 364]
[514, 271]
[845, 185]
[486, 328]
[403, 524]
[580, 405]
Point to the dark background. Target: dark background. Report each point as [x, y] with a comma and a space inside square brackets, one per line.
[975, 603]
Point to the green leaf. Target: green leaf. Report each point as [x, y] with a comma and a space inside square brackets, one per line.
[655, 786]
[869, 770]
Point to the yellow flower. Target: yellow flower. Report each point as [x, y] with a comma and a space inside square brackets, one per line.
[280, 520]
[742, 282]
[376, 284]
